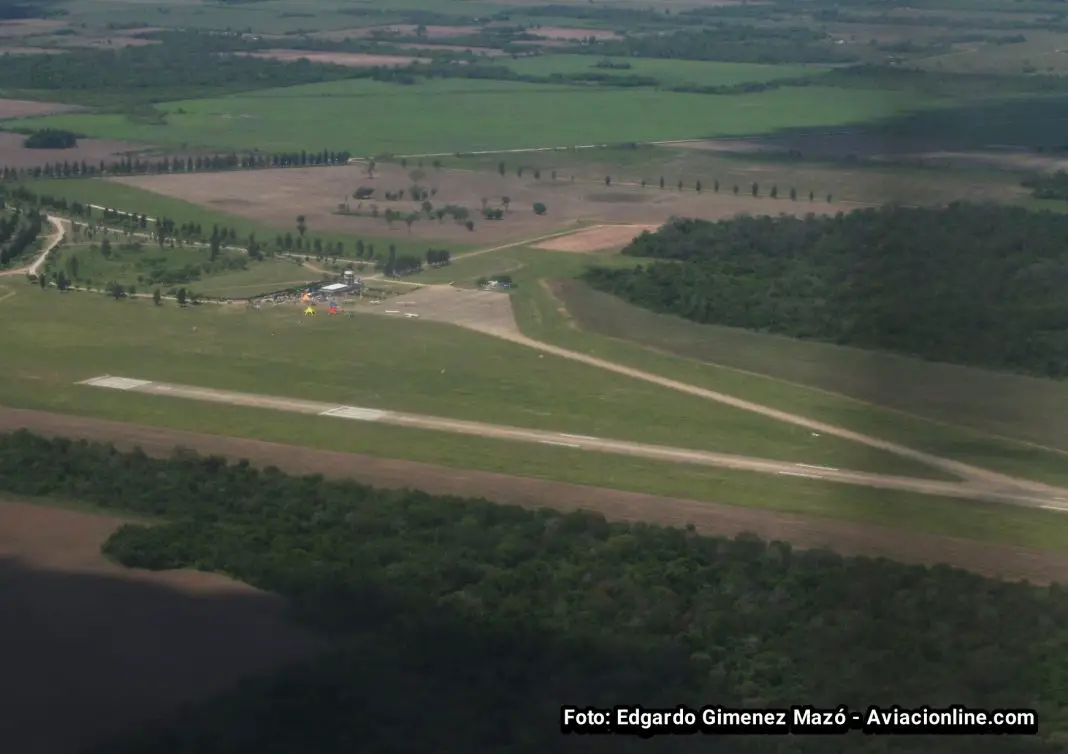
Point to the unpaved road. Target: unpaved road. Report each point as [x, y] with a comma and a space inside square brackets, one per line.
[968, 490]
[58, 234]
[1037, 566]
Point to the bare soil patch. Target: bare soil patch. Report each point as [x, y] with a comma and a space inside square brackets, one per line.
[317, 192]
[1037, 566]
[354, 59]
[14, 155]
[477, 310]
[600, 238]
[91, 649]
[21, 108]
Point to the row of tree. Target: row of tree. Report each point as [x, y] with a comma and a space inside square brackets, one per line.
[20, 232]
[189, 164]
[967, 284]
[442, 608]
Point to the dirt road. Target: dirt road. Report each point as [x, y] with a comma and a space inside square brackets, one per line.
[58, 234]
[967, 490]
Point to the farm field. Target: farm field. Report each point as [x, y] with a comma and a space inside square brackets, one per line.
[968, 176]
[669, 72]
[383, 363]
[161, 639]
[408, 119]
[279, 220]
[264, 196]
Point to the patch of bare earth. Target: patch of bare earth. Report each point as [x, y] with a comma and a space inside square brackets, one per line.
[354, 59]
[601, 238]
[1037, 566]
[477, 310]
[91, 649]
[21, 108]
[267, 195]
[14, 155]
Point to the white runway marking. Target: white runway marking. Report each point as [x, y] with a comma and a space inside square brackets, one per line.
[353, 412]
[798, 473]
[818, 468]
[578, 437]
[116, 383]
[560, 444]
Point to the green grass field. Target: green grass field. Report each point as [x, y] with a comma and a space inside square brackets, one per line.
[384, 363]
[445, 116]
[856, 182]
[56, 338]
[669, 72]
[130, 265]
[623, 334]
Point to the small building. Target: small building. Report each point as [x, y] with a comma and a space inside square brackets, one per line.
[337, 288]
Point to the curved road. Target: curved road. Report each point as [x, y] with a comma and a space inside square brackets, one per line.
[58, 234]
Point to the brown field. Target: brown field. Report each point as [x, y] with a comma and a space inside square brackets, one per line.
[14, 155]
[316, 192]
[354, 59]
[601, 238]
[91, 649]
[21, 108]
[1037, 566]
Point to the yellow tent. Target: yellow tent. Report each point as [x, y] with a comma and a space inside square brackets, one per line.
[309, 311]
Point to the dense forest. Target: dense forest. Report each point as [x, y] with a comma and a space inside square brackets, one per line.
[966, 284]
[51, 138]
[156, 73]
[727, 42]
[477, 621]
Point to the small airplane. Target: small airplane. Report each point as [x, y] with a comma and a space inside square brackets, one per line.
[411, 315]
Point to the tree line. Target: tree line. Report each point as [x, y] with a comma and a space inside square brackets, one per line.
[725, 42]
[157, 73]
[966, 284]
[178, 164]
[441, 608]
[18, 232]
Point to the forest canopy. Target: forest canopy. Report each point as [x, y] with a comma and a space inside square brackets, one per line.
[965, 284]
[443, 609]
